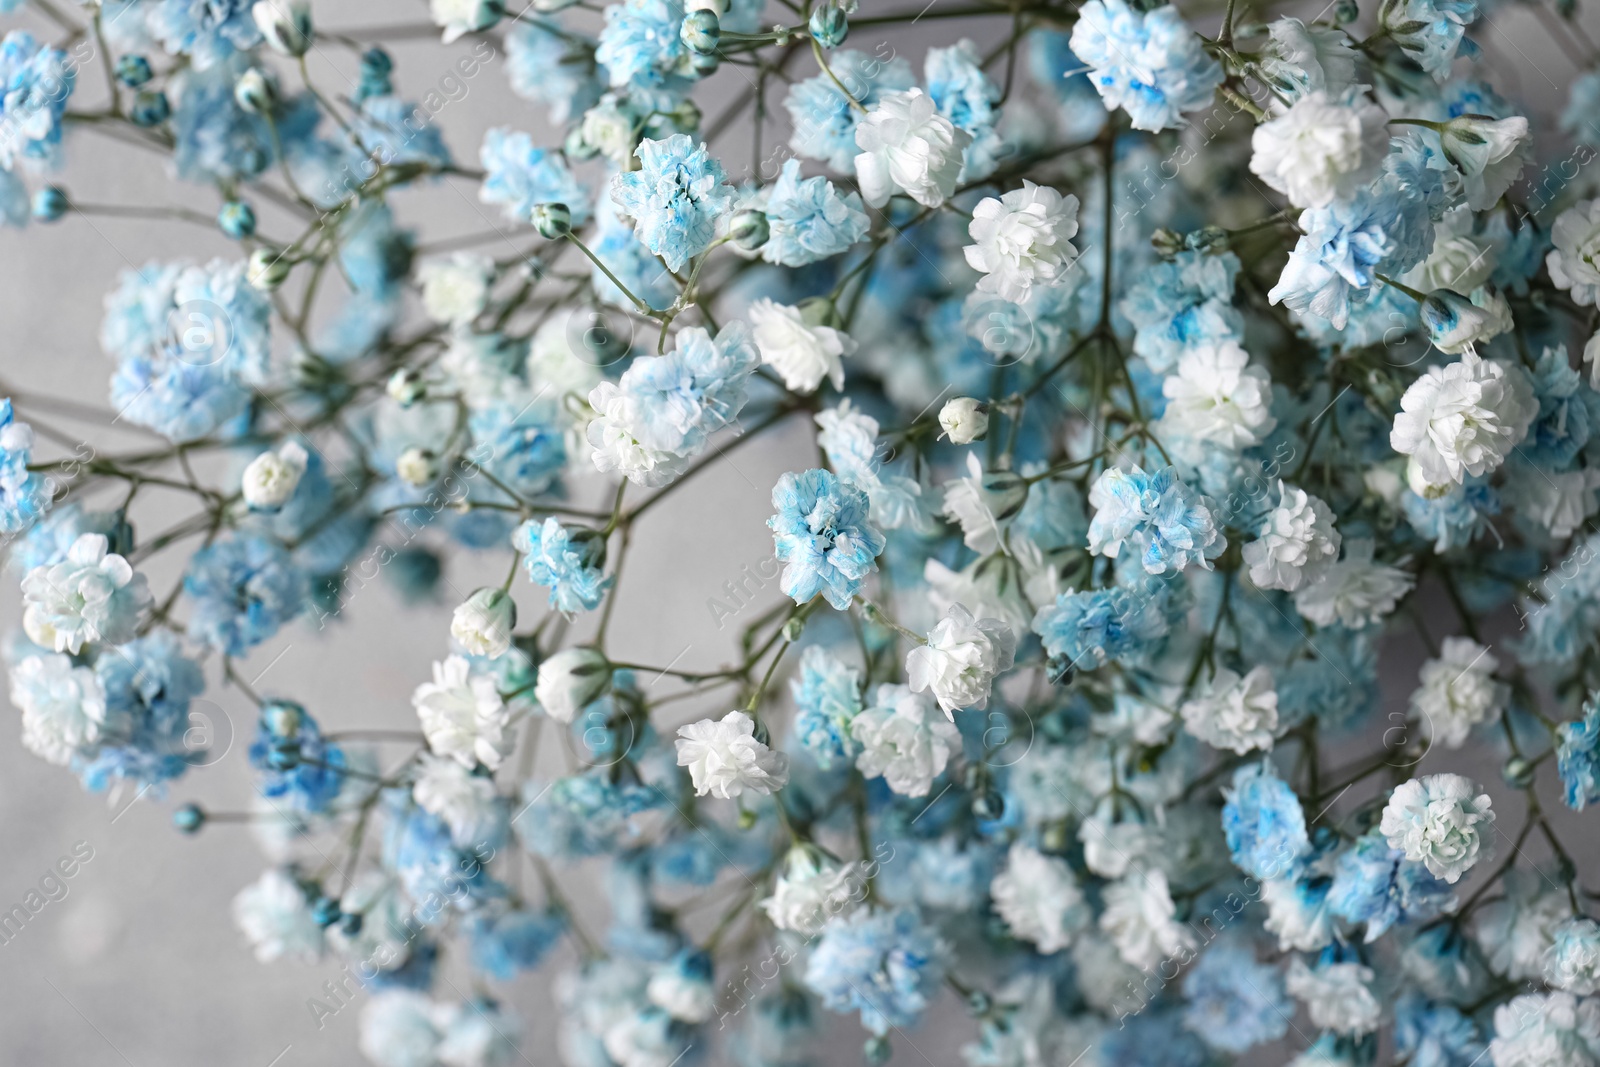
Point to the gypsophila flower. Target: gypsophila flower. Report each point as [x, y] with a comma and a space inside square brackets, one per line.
[1023, 239]
[824, 119]
[882, 964]
[92, 595]
[725, 759]
[1168, 523]
[1578, 756]
[571, 680]
[1430, 31]
[519, 176]
[272, 477]
[1572, 962]
[810, 220]
[567, 569]
[462, 714]
[275, 917]
[1323, 148]
[827, 697]
[1141, 919]
[1182, 303]
[674, 198]
[1235, 1003]
[961, 659]
[1301, 59]
[908, 147]
[1546, 1030]
[903, 741]
[811, 891]
[63, 706]
[1436, 820]
[1576, 236]
[1457, 691]
[1216, 396]
[1337, 995]
[455, 290]
[1147, 62]
[1039, 899]
[482, 624]
[1355, 591]
[803, 353]
[822, 534]
[1462, 419]
[1264, 824]
[1090, 628]
[1295, 544]
[1239, 714]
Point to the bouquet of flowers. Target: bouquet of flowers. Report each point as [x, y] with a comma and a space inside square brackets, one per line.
[1154, 366]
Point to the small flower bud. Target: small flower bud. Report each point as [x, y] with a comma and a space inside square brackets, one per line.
[570, 680]
[286, 24]
[189, 818]
[1345, 12]
[150, 108]
[50, 203]
[406, 386]
[484, 623]
[417, 467]
[749, 229]
[237, 219]
[963, 420]
[272, 477]
[255, 91]
[133, 71]
[829, 25]
[701, 32]
[552, 220]
[268, 269]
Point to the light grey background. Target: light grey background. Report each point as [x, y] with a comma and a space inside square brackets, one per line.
[140, 963]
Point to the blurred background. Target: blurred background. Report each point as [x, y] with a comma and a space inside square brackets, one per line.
[139, 963]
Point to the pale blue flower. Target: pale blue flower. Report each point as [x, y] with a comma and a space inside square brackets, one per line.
[822, 533]
[1169, 524]
[53, 536]
[1563, 619]
[299, 771]
[640, 46]
[966, 96]
[1182, 303]
[207, 31]
[24, 496]
[1456, 518]
[435, 872]
[1234, 1002]
[243, 588]
[553, 67]
[827, 698]
[680, 399]
[810, 220]
[1431, 1034]
[1430, 30]
[581, 815]
[524, 447]
[1561, 429]
[517, 940]
[519, 176]
[1090, 628]
[1578, 756]
[568, 570]
[1264, 824]
[1150, 64]
[1582, 117]
[885, 965]
[399, 133]
[36, 80]
[823, 118]
[148, 685]
[675, 198]
[616, 246]
[218, 139]
[1377, 885]
[1078, 113]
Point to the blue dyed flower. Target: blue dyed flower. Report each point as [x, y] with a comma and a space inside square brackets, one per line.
[1377, 885]
[1430, 1034]
[554, 67]
[965, 95]
[515, 941]
[1235, 1003]
[24, 496]
[148, 685]
[885, 965]
[1578, 756]
[810, 220]
[522, 443]
[207, 31]
[300, 771]
[827, 694]
[216, 139]
[435, 872]
[1562, 619]
[1430, 30]
[1169, 524]
[36, 80]
[1561, 429]
[568, 570]
[399, 133]
[822, 533]
[615, 245]
[640, 46]
[1182, 303]
[1150, 64]
[1456, 518]
[519, 176]
[1264, 824]
[1090, 628]
[581, 815]
[824, 119]
[675, 198]
[244, 588]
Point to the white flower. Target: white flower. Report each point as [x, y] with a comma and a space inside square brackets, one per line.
[1460, 261]
[1462, 419]
[908, 147]
[1301, 58]
[1217, 397]
[1515, 933]
[1457, 324]
[983, 504]
[1238, 714]
[1295, 544]
[456, 290]
[1024, 239]
[1338, 996]
[1572, 962]
[276, 919]
[482, 624]
[272, 477]
[286, 24]
[1457, 691]
[1323, 148]
[963, 420]
[724, 758]
[803, 354]
[683, 992]
[63, 707]
[1438, 822]
[1141, 920]
[462, 715]
[1574, 263]
[463, 16]
[466, 802]
[811, 890]
[1302, 923]
[1559, 501]
[401, 1028]
[1039, 899]
[92, 595]
[1354, 592]
[961, 659]
[1490, 153]
[570, 680]
[1546, 1030]
[417, 467]
[903, 741]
